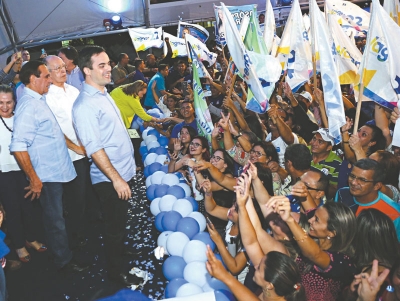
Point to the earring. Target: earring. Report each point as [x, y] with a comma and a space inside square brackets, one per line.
[328, 237]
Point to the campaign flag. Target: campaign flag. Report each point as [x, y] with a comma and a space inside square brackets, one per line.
[240, 55]
[145, 38]
[325, 46]
[349, 57]
[201, 50]
[380, 67]
[353, 18]
[392, 7]
[201, 70]
[253, 39]
[178, 46]
[203, 117]
[195, 30]
[269, 26]
[294, 51]
[237, 12]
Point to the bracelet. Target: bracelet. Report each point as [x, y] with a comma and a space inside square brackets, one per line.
[303, 238]
[345, 141]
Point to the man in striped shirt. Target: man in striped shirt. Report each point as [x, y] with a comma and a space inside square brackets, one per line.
[324, 159]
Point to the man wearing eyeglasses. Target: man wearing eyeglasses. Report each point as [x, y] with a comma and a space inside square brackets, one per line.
[365, 181]
[324, 159]
[60, 99]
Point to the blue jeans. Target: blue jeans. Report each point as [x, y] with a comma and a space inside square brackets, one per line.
[54, 223]
[3, 290]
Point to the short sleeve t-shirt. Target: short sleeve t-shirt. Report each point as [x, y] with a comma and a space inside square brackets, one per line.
[179, 126]
[330, 167]
[382, 203]
[281, 146]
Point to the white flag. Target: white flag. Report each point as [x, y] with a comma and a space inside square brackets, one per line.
[201, 50]
[392, 7]
[269, 27]
[178, 46]
[145, 38]
[329, 73]
[195, 30]
[350, 57]
[294, 51]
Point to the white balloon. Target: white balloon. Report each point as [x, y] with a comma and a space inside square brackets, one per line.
[161, 159]
[150, 138]
[195, 250]
[150, 158]
[166, 202]
[157, 177]
[195, 272]
[144, 133]
[176, 242]
[153, 144]
[148, 181]
[154, 206]
[162, 240]
[199, 217]
[188, 289]
[143, 143]
[170, 179]
[183, 206]
[186, 187]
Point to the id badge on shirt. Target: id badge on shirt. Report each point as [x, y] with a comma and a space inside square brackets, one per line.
[133, 133]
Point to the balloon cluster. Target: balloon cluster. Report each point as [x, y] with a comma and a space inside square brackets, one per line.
[181, 226]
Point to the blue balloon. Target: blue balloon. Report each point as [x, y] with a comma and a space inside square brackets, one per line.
[179, 175]
[161, 150]
[163, 141]
[161, 190]
[215, 284]
[150, 191]
[154, 167]
[126, 294]
[286, 2]
[173, 267]
[158, 221]
[223, 295]
[164, 168]
[143, 150]
[194, 203]
[144, 156]
[205, 237]
[176, 191]
[189, 226]
[173, 286]
[146, 171]
[153, 150]
[141, 128]
[170, 220]
[153, 132]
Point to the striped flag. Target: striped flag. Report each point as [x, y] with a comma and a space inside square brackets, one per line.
[325, 46]
[203, 117]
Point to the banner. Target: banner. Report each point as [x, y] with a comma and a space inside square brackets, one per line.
[237, 13]
[349, 57]
[244, 63]
[201, 50]
[380, 66]
[294, 51]
[269, 27]
[354, 18]
[178, 46]
[145, 38]
[392, 7]
[195, 30]
[201, 70]
[329, 74]
[203, 117]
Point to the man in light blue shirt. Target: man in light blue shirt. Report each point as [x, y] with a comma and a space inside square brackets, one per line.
[70, 55]
[100, 129]
[159, 78]
[39, 146]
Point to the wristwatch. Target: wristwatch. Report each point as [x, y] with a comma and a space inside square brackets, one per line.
[238, 135]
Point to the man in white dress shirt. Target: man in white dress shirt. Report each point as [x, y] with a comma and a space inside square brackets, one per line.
[60, 99]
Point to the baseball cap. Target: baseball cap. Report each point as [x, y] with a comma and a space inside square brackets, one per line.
[306, 95]
[325, 135]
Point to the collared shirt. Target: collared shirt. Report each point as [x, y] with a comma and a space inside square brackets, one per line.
[76, 78]
[36, 131]
[139, 76]
[159, 79]
[98, 124]
[330, 166]
[60, 102]
[119, 72]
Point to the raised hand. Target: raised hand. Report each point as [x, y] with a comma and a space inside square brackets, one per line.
[280, 205]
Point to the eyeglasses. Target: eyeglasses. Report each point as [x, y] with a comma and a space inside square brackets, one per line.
[361, 181]
[257, 153]
[196, 145]
[217, 159]
[59, 68]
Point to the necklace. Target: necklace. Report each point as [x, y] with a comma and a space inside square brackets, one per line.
[5, 124]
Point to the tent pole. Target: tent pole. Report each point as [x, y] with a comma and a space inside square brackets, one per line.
[5, 18]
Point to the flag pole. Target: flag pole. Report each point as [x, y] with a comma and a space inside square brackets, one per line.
[312, 30]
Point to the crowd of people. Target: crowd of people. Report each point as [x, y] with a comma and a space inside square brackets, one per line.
[293, 216]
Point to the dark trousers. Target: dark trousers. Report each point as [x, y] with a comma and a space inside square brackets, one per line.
[74, 199]
[115, 215]
[54, 223]
[136, 146]
[20, 221]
